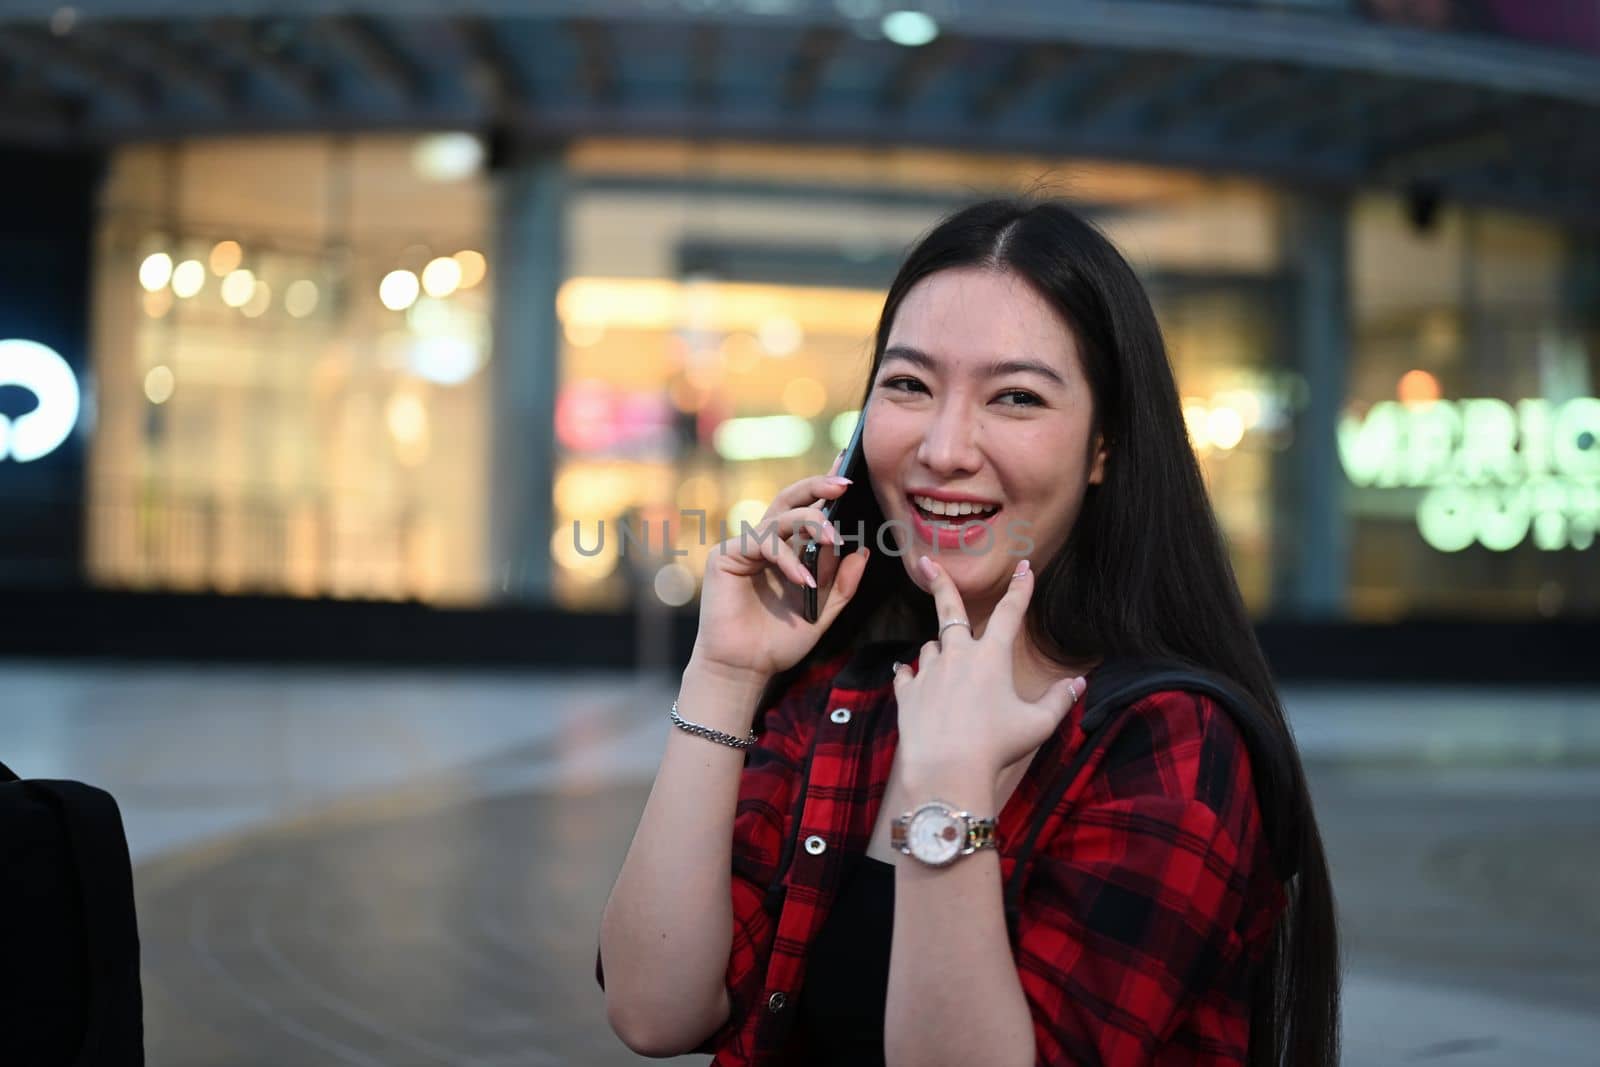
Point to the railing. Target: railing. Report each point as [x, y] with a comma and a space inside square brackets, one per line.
[316, 546]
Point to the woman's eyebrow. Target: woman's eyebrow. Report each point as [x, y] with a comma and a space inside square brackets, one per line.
[995, 369]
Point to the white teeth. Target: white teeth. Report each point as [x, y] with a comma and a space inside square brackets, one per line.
[940, 507]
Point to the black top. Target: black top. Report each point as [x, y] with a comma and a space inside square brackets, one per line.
[839, 1017]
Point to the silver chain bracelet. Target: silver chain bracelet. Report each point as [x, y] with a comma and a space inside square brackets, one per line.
[708, 733]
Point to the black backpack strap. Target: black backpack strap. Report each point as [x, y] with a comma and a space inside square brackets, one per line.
[1099, 716]
[105, 875]
[1272, 759]
[1123, 682]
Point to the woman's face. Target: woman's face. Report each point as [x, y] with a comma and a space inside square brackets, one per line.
[980, 397]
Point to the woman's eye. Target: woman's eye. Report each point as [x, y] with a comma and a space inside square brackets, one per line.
[1023, 398]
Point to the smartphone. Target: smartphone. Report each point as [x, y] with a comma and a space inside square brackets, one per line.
[843, 512]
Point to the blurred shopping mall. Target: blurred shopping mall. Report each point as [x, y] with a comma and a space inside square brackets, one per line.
[374, 319]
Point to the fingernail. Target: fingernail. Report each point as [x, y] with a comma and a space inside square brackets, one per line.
[927, 566]
[839, 479]
[1022, 568]
[812, 582]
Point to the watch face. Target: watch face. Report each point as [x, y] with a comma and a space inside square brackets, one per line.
[935, 834]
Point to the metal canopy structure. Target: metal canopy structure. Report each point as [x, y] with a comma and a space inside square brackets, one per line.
[1303, 92]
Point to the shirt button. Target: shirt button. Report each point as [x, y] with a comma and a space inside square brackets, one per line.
[816, 845]
[840, 715]
[776, 1002]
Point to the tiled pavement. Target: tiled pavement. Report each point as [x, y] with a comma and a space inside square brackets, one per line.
[406, 868]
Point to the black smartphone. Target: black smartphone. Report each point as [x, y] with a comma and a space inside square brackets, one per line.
[843, 512]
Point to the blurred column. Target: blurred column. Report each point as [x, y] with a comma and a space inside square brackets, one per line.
[1311, 563]
[530, 193]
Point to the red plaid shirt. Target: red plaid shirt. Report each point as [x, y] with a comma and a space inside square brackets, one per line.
[1142, 914]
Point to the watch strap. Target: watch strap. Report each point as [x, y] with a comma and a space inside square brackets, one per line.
[980, 834]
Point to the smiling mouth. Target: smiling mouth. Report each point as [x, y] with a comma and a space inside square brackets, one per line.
[984, 514]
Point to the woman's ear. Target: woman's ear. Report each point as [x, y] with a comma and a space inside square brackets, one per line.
[1097, 469]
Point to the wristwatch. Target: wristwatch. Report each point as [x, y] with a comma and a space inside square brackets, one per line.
[937, 834]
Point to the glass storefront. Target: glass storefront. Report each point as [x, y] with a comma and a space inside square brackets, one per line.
[291, 338]
[1470, 439]
[717, 337]
[288, 339]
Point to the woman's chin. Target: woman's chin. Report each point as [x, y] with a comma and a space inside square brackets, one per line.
[974, 575]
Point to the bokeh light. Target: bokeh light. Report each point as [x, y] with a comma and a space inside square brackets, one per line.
[805, 397]
[260, 300]
[238, 287]
[763, 437]
[188, 278]
[441, 277]
[910, 29]
[781, 336]
[159, 384]
[155, 271]
[842, 427]
[399, 290]
[749, 510]
[473, 267]
[674, 584]
[447, 157]
[301, 298]
[1225, 427]
[1418, 387]
[226, 256]
[587, 566]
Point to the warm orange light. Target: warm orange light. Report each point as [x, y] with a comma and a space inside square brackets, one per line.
[685, 396]
[584, 334]
[1418, 387]
[225, 258]
[473, 267]
[742, 352]
[782, 315]
[157, 303]
[805, 397]
[704, 369]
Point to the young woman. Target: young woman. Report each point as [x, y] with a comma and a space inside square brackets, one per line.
[831, 889]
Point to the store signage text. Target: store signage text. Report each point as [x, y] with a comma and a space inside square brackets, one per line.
[1492, 473]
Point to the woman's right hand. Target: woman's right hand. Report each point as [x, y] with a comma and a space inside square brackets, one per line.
[752, 613]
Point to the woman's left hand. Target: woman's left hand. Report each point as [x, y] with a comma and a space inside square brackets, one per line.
[960, 713]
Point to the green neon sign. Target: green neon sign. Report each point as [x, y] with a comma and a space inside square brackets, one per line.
[1491, 473]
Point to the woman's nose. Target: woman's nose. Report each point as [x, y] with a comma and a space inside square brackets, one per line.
[949, 442]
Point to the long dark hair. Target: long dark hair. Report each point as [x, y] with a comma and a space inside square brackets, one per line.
[1107, 593]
